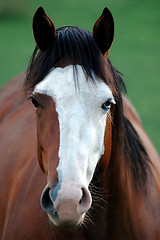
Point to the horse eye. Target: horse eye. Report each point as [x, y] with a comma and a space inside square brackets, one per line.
[35, 102]
[107, 105]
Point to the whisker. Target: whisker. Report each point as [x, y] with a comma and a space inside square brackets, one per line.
[87, 223]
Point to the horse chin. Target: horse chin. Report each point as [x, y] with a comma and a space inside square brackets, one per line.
[66, 223]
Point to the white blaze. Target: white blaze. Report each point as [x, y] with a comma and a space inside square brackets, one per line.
[81, 120]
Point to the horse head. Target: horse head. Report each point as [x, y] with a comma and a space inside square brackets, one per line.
[73, 102]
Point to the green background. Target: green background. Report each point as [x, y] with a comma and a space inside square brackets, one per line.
[135, 51]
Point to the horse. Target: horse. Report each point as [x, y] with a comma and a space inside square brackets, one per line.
[77, 164]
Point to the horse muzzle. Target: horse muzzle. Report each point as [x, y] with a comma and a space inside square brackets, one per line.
[66, 208]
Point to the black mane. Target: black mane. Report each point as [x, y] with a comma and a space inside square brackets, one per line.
[131, 147]
[78, 46]
[73, 43]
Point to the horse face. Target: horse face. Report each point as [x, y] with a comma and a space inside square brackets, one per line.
[71, 125]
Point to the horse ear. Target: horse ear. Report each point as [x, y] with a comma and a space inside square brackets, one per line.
[103, 31]
[43, 29]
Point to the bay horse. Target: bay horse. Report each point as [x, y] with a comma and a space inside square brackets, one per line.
[100, 175]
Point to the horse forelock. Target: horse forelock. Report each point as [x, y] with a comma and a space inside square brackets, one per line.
[72, 45]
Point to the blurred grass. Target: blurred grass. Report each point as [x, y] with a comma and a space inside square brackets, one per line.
[135, 51]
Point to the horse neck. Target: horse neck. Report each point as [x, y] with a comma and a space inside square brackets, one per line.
[128, 205]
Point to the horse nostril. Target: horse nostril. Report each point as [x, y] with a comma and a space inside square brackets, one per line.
[85, 201]
[83, 196]
[74, 206]
[46, 201]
